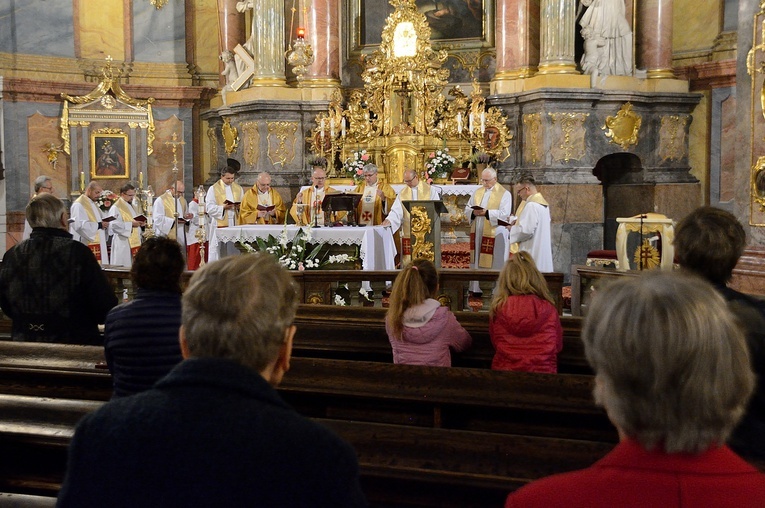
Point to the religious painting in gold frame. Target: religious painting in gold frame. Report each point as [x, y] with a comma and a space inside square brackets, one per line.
[456, 24]
[109, 155]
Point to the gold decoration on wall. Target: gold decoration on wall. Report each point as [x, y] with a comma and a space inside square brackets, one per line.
[568, 138]
[755, 63]
[672, 137]
[107, 102]
[281, 142]
[158, 4]
[421, 227]
[533, 142]
[623, 128]
[230, 136]
[109, 130]
[251, 137]
[52, 150]
[211, 135]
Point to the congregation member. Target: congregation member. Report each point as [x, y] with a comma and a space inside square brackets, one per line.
[376, 197]
[398, 218]
[531, 230]
[88, 226]
[222, 207]
[488, 205]
[51, 286]
[141, 336]
[311, 198]
[125, 230]
[165, 207]
[709, 242]
[43, 184]
[262, 204]
[524, 325]
[421, 331]
[672, 372]
[214, 432]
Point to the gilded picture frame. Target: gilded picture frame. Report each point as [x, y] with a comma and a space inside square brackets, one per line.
[455, 24]
[109, 156]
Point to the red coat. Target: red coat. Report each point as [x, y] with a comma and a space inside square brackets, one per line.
[631, 477]
[526, 334]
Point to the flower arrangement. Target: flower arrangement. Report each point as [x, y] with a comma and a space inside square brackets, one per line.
[317, 161]
[106, 199]
[295, 254]
[438, 164]
[480, 158]
[354, 165]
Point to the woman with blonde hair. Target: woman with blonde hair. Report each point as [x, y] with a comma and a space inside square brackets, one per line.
[420, 330]
[523, 321]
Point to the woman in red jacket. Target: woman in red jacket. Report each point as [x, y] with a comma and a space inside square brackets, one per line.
[523, 322]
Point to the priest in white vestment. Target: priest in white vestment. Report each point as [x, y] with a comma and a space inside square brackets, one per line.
[87, 224]
[398, 217]
[531, 231]
[222, 207]
[376, 198]
[489, 204]
[164, 210]
[125, 230]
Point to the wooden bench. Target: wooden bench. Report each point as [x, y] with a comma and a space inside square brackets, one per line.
[397, 461]
[355, 333]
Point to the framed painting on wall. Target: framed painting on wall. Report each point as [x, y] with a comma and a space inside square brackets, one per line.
[108, 155]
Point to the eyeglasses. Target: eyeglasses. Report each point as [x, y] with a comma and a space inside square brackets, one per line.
[410, 180]
[487, 180]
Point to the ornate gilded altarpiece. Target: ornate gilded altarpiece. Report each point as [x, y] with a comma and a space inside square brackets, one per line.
[756, 69]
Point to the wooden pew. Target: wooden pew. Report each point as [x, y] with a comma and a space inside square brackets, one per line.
[355, 333]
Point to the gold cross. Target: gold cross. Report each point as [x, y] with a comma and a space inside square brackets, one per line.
[175, 144]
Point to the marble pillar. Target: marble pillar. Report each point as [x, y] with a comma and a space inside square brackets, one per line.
[517, 39]
[556, 37]
[231, 32]
[323, 33]
[266, 42]
[654, 36]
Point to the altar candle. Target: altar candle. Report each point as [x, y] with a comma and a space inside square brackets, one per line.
[459, 123]
[483, 121]
[332, 128]
[342, 127]
[321, 129]
[470, 123]
[140, 180]
[82, 180]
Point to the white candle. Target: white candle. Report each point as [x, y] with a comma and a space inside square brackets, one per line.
[140, 180]
[82, 180]
[321, 129]
[331, 128]
[459, 123]
[342, 127]
[470, 123]
[483, 121]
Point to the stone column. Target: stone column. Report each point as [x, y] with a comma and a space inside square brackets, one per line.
[517, 39]
[323, 33]
[556, 37]
[266, 42]
[231, 32]
[654, 36]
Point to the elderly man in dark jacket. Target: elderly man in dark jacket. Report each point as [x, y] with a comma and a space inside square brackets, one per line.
[51, 286]
[214, 432]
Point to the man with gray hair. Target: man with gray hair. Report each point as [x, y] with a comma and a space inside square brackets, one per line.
[488, 205]
[43, 184]
[376, 198]
[214, 432]
[88, 226]
[51, 285]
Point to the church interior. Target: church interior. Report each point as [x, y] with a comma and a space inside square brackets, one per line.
[673, 120]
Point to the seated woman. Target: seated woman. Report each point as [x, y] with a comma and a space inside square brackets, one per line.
[141, 336]
[523, 321]
[420, 330]
[672, 371]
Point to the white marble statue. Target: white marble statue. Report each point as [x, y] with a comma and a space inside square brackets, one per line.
[229, 68]
[607, 38]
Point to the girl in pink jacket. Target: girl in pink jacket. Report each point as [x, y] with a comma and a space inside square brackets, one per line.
[420, 330]
[523, 322]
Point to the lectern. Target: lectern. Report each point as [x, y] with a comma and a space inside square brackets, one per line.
[425, 229]
[644, 242]
[342, 202]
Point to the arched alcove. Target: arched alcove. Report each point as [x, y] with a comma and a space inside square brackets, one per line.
[624, 192]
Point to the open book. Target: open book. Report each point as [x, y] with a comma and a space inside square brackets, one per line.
[262, 208]
[141, 218]
[236, 203]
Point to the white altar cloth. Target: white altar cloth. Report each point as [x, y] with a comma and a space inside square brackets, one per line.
[445, 190]
[376, 248]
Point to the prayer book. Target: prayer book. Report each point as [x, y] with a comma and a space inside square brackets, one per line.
[140, 218]
[262, 208]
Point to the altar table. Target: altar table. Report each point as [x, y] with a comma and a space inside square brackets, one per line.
[377, 250]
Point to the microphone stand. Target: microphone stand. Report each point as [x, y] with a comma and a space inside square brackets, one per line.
[316, 206]
[640, 245]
